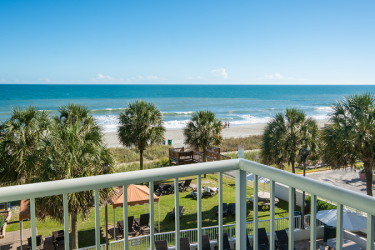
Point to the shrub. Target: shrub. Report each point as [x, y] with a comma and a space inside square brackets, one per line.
[320, 205]
[2, 221]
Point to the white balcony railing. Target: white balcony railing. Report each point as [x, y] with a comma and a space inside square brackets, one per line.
[315, 188]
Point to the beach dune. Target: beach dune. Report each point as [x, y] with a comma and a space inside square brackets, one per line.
[177, 136]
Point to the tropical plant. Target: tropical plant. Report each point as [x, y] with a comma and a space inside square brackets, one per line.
[285, 135]
[203, 131]
[2, 221]
[141, 125]
[75, 149]
[20, 155]
[351, 134]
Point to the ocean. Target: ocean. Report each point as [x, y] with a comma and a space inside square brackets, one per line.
[238, 104]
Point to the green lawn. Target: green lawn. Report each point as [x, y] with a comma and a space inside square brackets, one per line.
[188, 221]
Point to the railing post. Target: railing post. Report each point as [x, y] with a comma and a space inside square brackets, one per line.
[97, 219]
[291, 218]
[370, 232]
[66, 222]
[339, 228]
[177, 213]
[240, 209]
[125, 215]
[33, 223]
[220, 211]
[313, 222]
[272, 215]
[199, 211]
[255, 210]
[151, 209]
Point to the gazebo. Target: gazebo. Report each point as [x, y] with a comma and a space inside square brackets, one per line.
[137, 195]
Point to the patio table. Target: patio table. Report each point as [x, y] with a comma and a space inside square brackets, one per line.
[348, 244]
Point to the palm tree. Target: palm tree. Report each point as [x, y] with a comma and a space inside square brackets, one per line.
[351, 134]
[75, 149]
[20, 156]
[203, 131]
[141, 125]
[285, 135]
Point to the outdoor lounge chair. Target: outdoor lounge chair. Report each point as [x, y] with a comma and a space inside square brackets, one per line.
[166, 189]
[185, 185]
[282, 240]
[225, 209]
[161, 245]
[157, 189]
[226, 244]
[39, 242]
[208, 191]
[172, 215]
[184, 243]
[206, 242]
[232, 207]
[263, 242]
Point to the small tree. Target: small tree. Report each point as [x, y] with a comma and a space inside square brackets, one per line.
[351, 134]
[203, 131]
[141, 125]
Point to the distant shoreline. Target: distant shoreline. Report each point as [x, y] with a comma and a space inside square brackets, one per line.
[177, 137]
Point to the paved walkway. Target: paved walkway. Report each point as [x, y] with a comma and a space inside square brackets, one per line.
[345, 178]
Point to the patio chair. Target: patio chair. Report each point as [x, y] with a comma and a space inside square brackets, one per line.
[226, 244]
[232, 207]
[185, 185]
[263, 242]
[172, 215]
[282, 239]
[157, 189]
[166, 189]
[39, 242]
[184, 243]
[206, 242]
[225, 209]
[248, 246]
[161, 245]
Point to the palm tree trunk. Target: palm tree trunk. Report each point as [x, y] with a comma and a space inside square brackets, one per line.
[368, 171]
[74, 230]
[141, 159]
[295, 195]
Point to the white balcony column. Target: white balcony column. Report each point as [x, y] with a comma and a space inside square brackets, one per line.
[177, 213]
[339, 228]
[291, 219]
[370, 232]
[33, 223]
[66, 222]
[220, 210]
[313, 222]
[199, 211]
[255, 210]
[125, 216]
[151, 209]
[272, 215]
[97, 219]
[241, 233]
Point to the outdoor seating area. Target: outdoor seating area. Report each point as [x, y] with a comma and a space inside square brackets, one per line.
[164, 189]
[136, 226]
[179, 156]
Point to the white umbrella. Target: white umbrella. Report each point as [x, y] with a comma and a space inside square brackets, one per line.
[261, 179]
[351, 219]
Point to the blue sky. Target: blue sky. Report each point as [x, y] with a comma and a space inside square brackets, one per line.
[187, 42]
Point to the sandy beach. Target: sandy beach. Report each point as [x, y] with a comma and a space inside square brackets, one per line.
[177, 137]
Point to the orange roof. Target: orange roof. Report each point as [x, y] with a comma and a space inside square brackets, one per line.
[137, 195]
[24, 210]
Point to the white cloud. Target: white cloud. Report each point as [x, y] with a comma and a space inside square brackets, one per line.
[47, 80]
[274, 76]
[2, 80]
[103, 77]
[220, 72]
[151, 77]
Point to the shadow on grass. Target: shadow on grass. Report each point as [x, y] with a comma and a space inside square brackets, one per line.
[86, 238]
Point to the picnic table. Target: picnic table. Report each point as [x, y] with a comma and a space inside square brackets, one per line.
[348, 244]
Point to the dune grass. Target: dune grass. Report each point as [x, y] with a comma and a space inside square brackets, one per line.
[126, 155]
[189, 219]
[248, 143]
